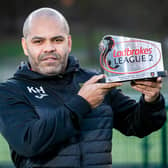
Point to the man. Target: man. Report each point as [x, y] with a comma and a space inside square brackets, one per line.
[50, 120]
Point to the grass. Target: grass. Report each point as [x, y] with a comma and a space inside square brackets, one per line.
[131, 149]
[4, 150]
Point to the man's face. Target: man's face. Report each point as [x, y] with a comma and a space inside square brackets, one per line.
[47, 46]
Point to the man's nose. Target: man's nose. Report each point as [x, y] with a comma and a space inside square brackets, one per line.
[49, 47]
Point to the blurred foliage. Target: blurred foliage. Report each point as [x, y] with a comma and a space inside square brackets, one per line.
[10, 48]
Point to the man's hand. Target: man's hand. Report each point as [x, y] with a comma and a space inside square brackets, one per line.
[151, 89]
[94, 92]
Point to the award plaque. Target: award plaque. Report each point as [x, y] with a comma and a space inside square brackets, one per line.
[124, 58]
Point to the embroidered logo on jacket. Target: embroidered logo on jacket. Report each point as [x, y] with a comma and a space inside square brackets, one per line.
[39, 93]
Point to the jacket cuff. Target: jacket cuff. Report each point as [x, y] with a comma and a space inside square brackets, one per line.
[78, 105]
[158, 104]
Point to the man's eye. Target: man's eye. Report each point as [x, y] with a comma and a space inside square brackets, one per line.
[58, 40]
[37, 41]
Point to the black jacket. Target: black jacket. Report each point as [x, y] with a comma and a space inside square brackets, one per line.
[47, 124]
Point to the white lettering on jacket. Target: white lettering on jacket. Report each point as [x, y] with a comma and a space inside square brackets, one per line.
[39, 93]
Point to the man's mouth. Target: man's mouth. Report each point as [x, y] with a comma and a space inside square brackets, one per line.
[50, 58]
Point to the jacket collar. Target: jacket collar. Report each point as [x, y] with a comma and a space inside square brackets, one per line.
[24, 70]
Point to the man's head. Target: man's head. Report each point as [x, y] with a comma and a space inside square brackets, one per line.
[46, 41]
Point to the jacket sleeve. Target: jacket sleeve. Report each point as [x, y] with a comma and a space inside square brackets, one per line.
[137, 118]
[30, 135]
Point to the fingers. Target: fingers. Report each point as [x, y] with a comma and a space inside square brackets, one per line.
[150, 93]
[94, 92]
[148, 83]
[145, 89]
[159, 79]
[150, 89]
[108, 85]
[95, 79]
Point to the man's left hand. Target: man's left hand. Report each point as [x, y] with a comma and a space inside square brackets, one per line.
[150, 89]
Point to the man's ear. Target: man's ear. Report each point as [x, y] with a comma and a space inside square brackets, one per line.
[69, 43]
[24, 46]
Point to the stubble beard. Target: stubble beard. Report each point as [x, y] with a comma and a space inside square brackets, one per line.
[50, 68]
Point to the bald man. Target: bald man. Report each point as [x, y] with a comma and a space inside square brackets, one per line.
[50, 120]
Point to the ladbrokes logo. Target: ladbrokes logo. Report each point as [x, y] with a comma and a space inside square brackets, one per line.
[128, 56]
[131, 52]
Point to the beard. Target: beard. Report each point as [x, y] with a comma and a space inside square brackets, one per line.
[52, 68]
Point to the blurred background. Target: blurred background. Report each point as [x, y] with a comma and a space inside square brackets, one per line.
[90, 20]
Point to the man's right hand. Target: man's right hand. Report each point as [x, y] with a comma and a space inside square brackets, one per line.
[94, 92]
